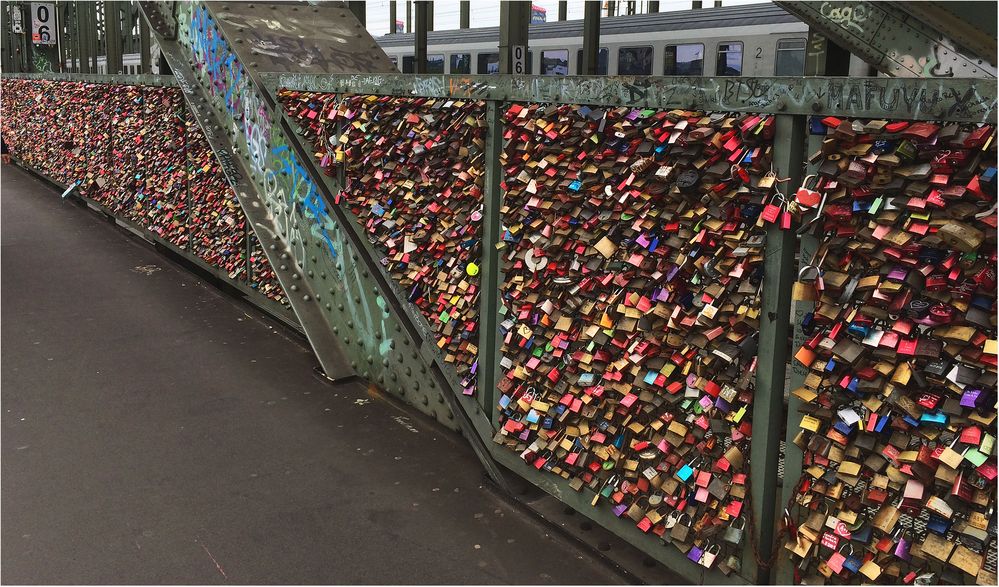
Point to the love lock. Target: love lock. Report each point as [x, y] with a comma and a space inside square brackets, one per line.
[535, 262]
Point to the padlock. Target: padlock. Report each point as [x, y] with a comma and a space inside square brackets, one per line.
[734, 531]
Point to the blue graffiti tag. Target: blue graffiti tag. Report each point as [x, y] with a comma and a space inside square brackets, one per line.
[313, 204]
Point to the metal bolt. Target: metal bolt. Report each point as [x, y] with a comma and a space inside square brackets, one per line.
[294, 287]
[307, 298]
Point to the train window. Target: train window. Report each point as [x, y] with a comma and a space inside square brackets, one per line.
[555, 62]
[603, 56]
[435, 63]
[488, 63]
[729, 59]
[684, 59]
[790, 57]
[634, 61]
[461, 63]
[408, 62]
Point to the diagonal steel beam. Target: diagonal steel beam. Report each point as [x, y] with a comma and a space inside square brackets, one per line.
[301, 295]
[971, 25]
[218, 52]
[888, 38]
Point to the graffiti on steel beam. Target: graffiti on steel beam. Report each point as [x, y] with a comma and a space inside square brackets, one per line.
[302, 42]
[849, 17]
[287, 184]
[963, 99]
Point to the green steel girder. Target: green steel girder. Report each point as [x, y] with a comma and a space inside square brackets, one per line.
[892, 41]
[970, 25]
[350, 298]
[960, 100]
[302, 296]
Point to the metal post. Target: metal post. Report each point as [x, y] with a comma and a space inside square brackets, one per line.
[393, 15]
[5, 33]
[768, 403]
[631, 7]
[591, 36]
[145, 47]
[60, 8]
[463, 10]
[611, 8]
[563, 9]
[112, 34]
[74, 36]
[360, 11]
[653, 6]
[100, 38]
[88, 33]
[816, 62]
[515, 18]
[409, 16]
[430, 15]
[420, 40]
[489, 297]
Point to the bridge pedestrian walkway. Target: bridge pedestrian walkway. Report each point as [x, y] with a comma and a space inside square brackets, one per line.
[157, 430]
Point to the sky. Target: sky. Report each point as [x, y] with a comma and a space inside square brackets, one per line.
[485, 13]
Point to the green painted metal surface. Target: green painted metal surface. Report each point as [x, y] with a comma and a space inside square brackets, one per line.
[885, 36]
[319, 244]
[966, 100]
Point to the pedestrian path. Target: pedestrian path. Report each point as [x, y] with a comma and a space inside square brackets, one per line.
[157, 430]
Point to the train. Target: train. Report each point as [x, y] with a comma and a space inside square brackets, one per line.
[756, 40]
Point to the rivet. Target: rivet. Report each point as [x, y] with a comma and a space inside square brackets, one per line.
[294, 287]
[370, 359]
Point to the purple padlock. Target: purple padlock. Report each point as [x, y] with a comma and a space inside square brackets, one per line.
[969, 399]
[695, 554]
[902, 548]
[897, 274]
[619, 509]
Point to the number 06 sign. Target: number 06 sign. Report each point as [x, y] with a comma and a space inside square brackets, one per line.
[43, 23]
